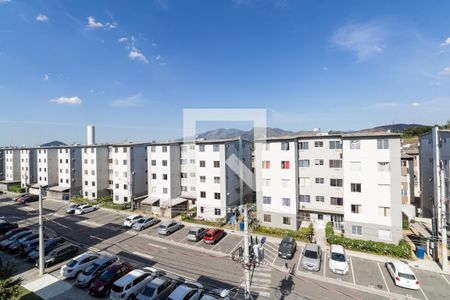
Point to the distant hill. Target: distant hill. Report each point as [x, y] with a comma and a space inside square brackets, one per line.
[394, 128]
[229, 133]
[53, 144]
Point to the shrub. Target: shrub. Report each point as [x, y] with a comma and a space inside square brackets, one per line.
[16, 188]
[405, 222]
[303, 234]
[402, 250]
[219, 223]
[104, 201]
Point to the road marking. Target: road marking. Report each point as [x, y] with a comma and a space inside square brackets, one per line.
[235, 247]
[445, 278]
[222, 239]
[426, 298]
[143, 255]
[183, 240]
[324, 263]
[157, 246]
[353, 272]
[273, 248]
[384, 279]
[299, 259]
[196, 244]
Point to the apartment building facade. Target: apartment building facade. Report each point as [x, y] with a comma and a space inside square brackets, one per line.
[128, 172]
[2, 165]
[28, 167]
[47, 167]
[69, 173]
[12, 165]
[218, 187]
[95, 171]
[188, 169]
[315, 178]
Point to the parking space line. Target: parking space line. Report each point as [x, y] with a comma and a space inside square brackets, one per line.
[274, 259]
[157, 246]
[445, 278]
[384, 279]
[426, 298]
[221, 240]
[235, 247]
[143, 255]
[183, 240]
[273, 248]
[196, 244]
[353, 272]
[324, 264]
[299, 259]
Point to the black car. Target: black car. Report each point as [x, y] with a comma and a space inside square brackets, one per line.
[48, 246]
[27, 247]
[287, 248]
[60, 254]
[14, 247]
[5, 227]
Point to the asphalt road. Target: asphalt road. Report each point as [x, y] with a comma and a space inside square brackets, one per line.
[211, 265]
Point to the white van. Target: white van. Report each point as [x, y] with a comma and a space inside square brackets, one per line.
[130, 285]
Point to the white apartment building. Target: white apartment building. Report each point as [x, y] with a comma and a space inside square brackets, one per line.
[12, 165]
[69, 173]
[28, 167]
[47, 167]
[188, 170]
[217, 186]
[317, 178]
[95, 171]
[128, 172]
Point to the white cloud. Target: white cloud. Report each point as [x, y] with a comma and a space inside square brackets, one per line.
[41, 18]
[325, 68]
[136, 54]
[4, 1]
[364, 39]
[66, 100]
[123, 39]
[415, 103]
[45, 77]
[158, 57]
[446, 42]
[131, 101]
[94, 24]
[445, 71]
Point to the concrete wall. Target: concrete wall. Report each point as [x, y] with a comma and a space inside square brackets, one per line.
[188, 165]
[28, 167]
[47, 167]
[95, 174]
[70, 169]
[170, 187]
[2, 165]
[12, 165]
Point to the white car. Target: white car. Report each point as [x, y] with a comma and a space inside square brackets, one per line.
[83, 209]
[402, 275]
[338, 261]
[75, 266]
[131, 284]
[129, 221]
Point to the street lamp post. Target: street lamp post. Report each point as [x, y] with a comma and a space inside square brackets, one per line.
[41, 235]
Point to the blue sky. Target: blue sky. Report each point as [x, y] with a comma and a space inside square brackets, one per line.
[131, 67]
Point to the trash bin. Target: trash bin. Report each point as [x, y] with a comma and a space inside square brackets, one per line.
[241, 226]
[420, 252]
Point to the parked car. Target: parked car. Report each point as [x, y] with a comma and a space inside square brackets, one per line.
[19, 196]
[101, 286]
[76, 265]
[169, 227]
[217, 294]
[88, 275]
[71, 209]
[28, 246]
[14, 247]
[187, 291]
[338, 261]
[129, 221]
[160, 287]
[402, 275]
[12, 232]
[60, 254]
[84, 209]
[213, 235]
[28, 198]
[143, 223]
[48, 246]
[197, 233]
[130, 285]
[9, 241]
[311, 257]
[287, 247]
[6, 226]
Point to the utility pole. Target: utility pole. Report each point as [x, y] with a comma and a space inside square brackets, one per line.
[443, 221]
[41, 235]
[246, 255]
[132, 190]
[437, 198]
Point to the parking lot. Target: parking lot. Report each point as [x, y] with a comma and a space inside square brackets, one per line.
[104, 230]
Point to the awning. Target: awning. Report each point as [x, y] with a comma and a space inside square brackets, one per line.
[166, 203]
[59, 189]
[150, 200]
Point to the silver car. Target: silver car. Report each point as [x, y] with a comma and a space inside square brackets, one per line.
[169, 227]
[143, 223]
[196, 233]
[311, 257]
[88, 275]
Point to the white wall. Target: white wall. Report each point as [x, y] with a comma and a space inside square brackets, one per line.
[28, 167]
[12, 165]
[161, 188]
[47, 167]
[95, 173]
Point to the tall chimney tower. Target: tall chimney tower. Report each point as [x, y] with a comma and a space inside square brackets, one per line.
[90, 135]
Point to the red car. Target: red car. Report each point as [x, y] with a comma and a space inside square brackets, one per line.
[213, 235]
[101, 286]
[27, 198]
[12, 232]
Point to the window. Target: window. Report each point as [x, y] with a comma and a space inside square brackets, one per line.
[355, 166]
[164, 176]
[192, 174]
[125, 162]
[217, 211]
[152, 148]
[320, 199]
[117, 185]
[202, 209]
[305, 198]
[267, 218]
[285, 183]
[286, 221]
[335, 163]
[125, 174]
[202, 194]
[116, 197]
[285, 146]
[285, 164]
[304, 181]
[164, 149]
[85, 161]
[183, 161]
[202, 164]
[202, 178]
[357, 230]
[153, 175]
[164, 190]
[356, 208]
[336, 201]
[183, 148]
[216, 148]
[355, 145]
[153, 162]
[164, 163]
[86, 182]
[303, 145]
[383, 166]
[216, 164]
[318, 144]
[303, 163]
[93, 183]
[355, 187]
[383, 144]
[125, 187]
[384, 211]
[267, 200]
[335, 145]
[266, 164]
[320, 180]
[217, 196]
[125, 199]
[286, 202]
[86, 172]
[184, 188]
[384, 234]
[153, 189]
[201, 148]
[266, 182]
[92, 172]
[335, 182]
[216, 179]
[318, 162]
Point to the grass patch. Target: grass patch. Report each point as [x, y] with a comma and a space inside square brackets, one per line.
[303, 234]
[219, 223]
[104, 201]
[27, 295]
[16, 188]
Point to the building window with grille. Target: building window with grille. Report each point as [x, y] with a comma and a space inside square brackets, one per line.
[286, 202]
[383, 144]
[335, 182]
[267, 200]
[286, 221]
[320, 180]
[202, 163]
[356, 208]
[335, 145]
[357, 230]
[216, 164]
[318, 144]
[217, 211]
[320, 199]
[336, 201]
[202, 194]
[355, 187]
[203, 179]
[267, 218]
[303, 145]
[305, 198]
[335, 163]
[266, 164]
[285, 146]
[217, 196]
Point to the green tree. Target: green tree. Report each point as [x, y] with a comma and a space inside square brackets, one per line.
[9, 286]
